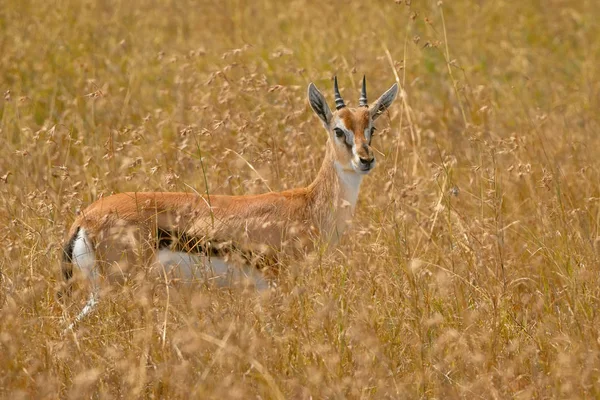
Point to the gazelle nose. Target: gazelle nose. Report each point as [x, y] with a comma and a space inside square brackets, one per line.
[366, 162]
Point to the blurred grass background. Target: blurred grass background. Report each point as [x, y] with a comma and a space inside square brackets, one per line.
[472, 269]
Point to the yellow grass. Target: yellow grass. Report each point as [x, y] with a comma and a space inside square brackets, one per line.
[472, 270]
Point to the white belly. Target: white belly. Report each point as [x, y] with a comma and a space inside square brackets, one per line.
[190, 267]
[181, 266]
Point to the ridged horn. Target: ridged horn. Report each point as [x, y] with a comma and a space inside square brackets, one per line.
[339, 102]
[362, 102]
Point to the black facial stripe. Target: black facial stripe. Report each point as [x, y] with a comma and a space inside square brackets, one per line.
[370, 134]
[346, 136]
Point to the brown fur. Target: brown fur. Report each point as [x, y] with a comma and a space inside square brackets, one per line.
[123, 227]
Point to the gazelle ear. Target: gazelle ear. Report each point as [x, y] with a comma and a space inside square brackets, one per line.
[318, 104]
[383, 102]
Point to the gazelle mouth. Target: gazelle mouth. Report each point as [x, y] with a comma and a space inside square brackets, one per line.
[363, 169]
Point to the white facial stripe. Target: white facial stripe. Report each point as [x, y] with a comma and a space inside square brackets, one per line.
[349, 134]
[368, 131]
[354, 153]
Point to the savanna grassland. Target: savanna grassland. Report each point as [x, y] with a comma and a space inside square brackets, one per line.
[472, 268]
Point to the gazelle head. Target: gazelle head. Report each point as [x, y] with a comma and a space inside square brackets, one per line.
[351, 129]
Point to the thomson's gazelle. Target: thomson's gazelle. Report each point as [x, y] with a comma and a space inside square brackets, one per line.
[224, 237]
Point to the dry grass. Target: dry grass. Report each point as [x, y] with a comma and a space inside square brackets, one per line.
[473, 267]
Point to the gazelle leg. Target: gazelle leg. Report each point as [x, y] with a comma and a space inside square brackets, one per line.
[92, 301]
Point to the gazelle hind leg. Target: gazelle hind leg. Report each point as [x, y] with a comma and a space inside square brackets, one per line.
[89, 306]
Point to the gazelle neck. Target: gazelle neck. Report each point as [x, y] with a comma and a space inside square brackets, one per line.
[349, 182]
[334, 194]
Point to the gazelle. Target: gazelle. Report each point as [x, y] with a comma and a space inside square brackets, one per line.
[224, 237]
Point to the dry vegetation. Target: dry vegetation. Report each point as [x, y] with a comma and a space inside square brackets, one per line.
[473, 267]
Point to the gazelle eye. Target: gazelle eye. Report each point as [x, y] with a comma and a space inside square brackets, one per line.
[372, 131]
[338, 132]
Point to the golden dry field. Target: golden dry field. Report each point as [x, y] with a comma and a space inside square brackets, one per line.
[473, 266]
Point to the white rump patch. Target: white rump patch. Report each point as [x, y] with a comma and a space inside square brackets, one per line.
[84, 256]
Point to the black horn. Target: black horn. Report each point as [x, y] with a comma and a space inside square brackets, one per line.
[362, 102]
[339, 102]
